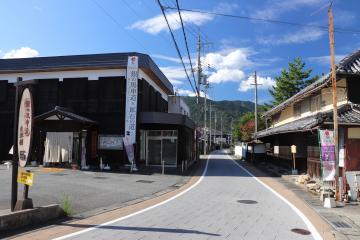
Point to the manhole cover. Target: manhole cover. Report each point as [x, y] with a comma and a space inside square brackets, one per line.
[300, 231]
[100, 177]
[340, 224]
[58, 174]
[144, 181]
[247, 201]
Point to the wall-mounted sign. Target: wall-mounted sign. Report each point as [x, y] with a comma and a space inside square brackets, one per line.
[26, 178]
[276, 150]
[111, 142]
[25, 127]
[293, 149]
[131, 98]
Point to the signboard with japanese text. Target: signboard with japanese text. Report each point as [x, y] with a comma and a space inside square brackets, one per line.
[131, 98]
[26, 178]
[327, 154]
[25, 127]
[111, 142]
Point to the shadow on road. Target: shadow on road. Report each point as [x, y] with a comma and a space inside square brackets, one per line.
[141, 229]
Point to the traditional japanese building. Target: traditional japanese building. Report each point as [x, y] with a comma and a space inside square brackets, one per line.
[80, 111]
[297, 121]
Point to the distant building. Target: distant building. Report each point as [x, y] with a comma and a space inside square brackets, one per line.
[79, 104]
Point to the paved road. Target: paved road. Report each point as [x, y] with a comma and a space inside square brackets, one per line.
[211, 211]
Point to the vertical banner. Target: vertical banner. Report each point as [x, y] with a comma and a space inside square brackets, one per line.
[131, 106]
[25, 127]
[327, 154]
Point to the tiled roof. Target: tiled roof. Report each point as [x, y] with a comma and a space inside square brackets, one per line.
[349, 65]
[89, 61]
[347, 115]
[66, 113]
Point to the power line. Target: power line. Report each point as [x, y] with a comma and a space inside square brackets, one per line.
[176, 45]
[117, 23]
[186, 43]
[325, 28]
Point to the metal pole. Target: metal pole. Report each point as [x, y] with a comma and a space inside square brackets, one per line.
[14, 184]
[221, 143]
[334, 99]
[256, 103]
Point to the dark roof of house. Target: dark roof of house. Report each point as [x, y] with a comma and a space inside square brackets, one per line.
[349, 65]
[347, 115]
[89, 61]
[166, 119]
[64, 112]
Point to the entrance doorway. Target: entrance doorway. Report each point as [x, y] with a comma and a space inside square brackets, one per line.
[161, 146]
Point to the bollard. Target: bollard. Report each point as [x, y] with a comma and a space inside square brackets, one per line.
[182, 166]
[163, 167]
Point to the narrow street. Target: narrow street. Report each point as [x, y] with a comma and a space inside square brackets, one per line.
[212, 209]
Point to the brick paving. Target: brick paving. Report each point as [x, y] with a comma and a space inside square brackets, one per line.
[208, 211]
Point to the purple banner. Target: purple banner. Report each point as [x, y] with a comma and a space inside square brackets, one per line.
[327, 154]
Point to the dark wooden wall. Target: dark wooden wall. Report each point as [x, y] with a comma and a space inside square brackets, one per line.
[101, 100]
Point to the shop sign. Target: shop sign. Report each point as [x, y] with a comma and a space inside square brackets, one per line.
[25, 127]
[26, 178]
[131, 98]
[327, 154]
[111, 142]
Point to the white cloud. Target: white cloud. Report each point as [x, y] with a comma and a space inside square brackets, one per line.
[263, 83]
[189, 93]
[226, 75]
[225, 8]
[275, 8]
[231, 58]
[158, 24]
[175, 74]
[23, 52]
[302, 36]
[170, 59]
[325, 60]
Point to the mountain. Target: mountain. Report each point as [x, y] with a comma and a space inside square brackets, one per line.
[230, 111]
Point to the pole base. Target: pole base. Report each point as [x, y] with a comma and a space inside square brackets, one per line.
[294, 172]
[329, 202]
[24, 204]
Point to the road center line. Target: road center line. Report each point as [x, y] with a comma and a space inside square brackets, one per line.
[138, 212]
[316, 235]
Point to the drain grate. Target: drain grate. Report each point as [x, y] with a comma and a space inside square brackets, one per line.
[59, 174]
[300, 231]
[100, 178]
[340, 224]
[144, 181]
[247, 201]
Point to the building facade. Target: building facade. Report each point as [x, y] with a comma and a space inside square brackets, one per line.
[297, 121]
[79, 111]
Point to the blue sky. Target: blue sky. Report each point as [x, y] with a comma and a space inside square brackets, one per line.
[238, 47]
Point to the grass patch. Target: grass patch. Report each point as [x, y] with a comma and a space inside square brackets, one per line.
[66, 205]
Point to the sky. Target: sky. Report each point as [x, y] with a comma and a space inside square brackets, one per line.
[232, 48]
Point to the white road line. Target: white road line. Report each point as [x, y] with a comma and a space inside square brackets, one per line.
[138, 212]
[316, 235]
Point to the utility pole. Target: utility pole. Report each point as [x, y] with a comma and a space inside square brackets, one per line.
[334, 99]
[256, 104]
[221, 132]
[205, 108]
[210, 126]
[198, 67]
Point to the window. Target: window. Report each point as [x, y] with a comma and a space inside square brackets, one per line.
[297, 109]
[315, 104]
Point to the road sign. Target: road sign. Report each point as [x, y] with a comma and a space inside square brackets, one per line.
[25, 127]
[26, 178]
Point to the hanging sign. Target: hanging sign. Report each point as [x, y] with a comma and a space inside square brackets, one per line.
[131, 98]
[327, 154]
[25, 127]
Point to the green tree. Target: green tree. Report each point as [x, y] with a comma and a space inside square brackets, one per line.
[245, 127]
[291, 81]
